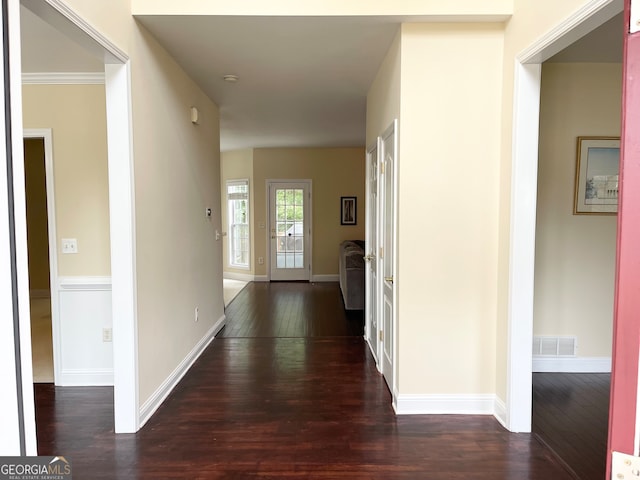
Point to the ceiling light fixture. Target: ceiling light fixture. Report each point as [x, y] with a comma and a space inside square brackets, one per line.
[230, 78]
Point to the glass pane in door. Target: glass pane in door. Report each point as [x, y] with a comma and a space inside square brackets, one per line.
[290, 228]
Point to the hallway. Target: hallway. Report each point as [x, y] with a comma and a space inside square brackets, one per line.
[266, 407]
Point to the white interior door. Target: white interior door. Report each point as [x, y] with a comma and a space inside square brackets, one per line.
[371, 257]
[387, 252]
[290, 230]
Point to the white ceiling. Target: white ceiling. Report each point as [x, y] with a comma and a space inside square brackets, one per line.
[602, 45]
[44, 49]
[303, 80]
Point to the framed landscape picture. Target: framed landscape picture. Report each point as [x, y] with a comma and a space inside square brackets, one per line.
[597, 169]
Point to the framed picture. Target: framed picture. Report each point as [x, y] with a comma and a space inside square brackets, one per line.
[597, 168]
[348, 212]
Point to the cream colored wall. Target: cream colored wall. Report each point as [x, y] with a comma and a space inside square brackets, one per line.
[77, 117]
[334, 172]
[323, 7]
[36, 193]
[575, 254]
[383, 97]
[448, 198]
[177, 176]
[531, 20]
[237, 165]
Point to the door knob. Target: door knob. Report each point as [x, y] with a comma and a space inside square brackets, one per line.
[368, 258]
[388, 279]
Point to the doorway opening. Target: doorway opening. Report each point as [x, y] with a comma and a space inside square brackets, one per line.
[63, 22]
[523, 206]
[41, 246]
[573, 298]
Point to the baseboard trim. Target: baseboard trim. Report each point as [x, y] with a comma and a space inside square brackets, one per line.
[325, 278]
[500, 412]
[572, 364]
[86, 377]
[243, 277]
[153, 403]
[260, 278]
[445, 404]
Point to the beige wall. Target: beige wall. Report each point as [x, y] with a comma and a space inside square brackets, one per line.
[334, 172]
[448, 184]
[77, 117]
[237, 165]
[575, 254]
[177, 176]
[383, 98]
[36, 193]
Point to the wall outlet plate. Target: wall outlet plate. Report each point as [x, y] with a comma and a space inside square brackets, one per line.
[624, 466]
[107, 335]
[69, 245]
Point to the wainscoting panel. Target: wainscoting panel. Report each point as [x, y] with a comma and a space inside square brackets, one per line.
[84, 357]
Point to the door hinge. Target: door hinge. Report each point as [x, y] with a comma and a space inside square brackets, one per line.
[381, 168]
[634, 20]
[380, 253]
[381, 336]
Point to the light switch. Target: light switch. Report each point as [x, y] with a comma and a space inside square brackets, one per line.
[69, 245]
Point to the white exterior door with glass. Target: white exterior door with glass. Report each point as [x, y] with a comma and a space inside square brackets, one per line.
[290, 230]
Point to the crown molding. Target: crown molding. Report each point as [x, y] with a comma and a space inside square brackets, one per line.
[63, 78]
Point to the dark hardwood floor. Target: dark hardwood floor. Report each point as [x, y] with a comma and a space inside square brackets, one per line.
[275, 408]
[285, 309]
[570, 415]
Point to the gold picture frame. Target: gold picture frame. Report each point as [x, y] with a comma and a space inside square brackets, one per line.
[597, 175]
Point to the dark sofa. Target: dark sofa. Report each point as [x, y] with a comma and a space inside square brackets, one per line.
[352, 274]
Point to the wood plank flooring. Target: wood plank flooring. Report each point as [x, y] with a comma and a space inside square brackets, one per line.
[285, 309]
[274, 408]
[570, 415]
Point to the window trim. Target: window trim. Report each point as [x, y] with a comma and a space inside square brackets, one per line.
[230, 243]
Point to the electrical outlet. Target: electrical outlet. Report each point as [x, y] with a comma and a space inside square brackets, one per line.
[624, 467]
[197, 312]
[107, 335]
[69, 245]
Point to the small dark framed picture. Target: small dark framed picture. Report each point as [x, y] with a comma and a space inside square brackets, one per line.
[348, 211]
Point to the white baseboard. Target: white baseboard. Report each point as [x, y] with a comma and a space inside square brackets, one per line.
[40, 293]
[500, 412]
[85, 377]
[243, 277]
[151, 405]
[261, 278]
[572, 364]
[445, 404]
[325, 278]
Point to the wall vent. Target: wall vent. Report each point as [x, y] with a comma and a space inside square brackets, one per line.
[555, 346]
